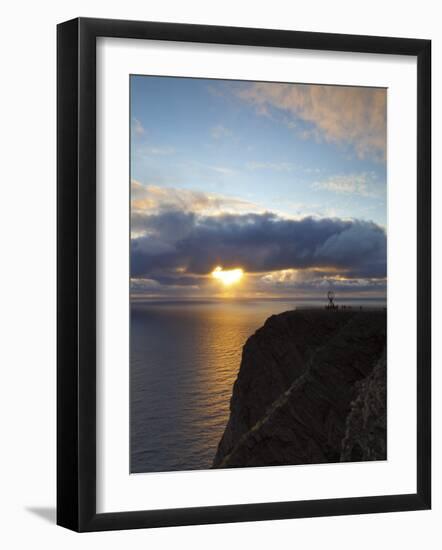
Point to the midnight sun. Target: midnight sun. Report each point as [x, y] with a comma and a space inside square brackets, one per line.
[228, 277]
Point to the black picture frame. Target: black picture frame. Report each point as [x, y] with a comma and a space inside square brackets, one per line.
[76, 274]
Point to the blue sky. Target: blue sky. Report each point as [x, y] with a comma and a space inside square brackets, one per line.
[203, 150]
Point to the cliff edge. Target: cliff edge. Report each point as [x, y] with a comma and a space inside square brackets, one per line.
[311, 388]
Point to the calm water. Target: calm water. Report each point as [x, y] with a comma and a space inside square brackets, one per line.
[184, 361]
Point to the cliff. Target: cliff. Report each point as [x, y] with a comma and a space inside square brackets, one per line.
[310, 389]
[366, 426]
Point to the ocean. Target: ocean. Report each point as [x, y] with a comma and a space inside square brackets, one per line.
[184, 360]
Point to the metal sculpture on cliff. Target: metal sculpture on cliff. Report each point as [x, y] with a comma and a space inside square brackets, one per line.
[331, 297]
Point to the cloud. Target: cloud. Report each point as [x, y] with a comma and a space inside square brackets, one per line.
[223, 170]
[137, 127]
[350, 184]
[215, 90]
[184, 243]
[159, 151]
[276, 166]
[291, 280]
[168, 288]
[154, 199]
[337, 114]
[220, 131]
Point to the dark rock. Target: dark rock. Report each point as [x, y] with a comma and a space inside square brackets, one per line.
[366, 426]
[297, 380]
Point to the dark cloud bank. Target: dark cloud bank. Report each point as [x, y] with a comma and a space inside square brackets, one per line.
[178, 244]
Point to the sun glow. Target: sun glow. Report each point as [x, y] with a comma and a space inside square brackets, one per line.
[228, 277]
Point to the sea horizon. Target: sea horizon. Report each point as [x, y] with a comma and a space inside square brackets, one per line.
[235, 299]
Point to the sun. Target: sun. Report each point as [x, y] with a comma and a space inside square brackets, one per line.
[228, 277]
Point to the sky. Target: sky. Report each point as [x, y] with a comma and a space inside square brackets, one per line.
[284, 182]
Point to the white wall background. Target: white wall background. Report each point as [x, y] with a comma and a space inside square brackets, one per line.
[27, 288]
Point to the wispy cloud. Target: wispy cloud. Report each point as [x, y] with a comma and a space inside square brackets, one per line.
[362, 184]
[220, 131]
[337, 114]
[155, 199]
[275, 166]
[320, 280]
[137, 127]
[215, 90]
[159, 151]
[224, 170]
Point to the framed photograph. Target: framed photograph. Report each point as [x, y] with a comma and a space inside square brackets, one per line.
[243, 274]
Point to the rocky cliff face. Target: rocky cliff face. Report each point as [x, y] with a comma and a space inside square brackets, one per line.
[308, 391]
[366, 425]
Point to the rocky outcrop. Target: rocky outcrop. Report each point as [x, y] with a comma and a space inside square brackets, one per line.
[299, 381]
[366, 425]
